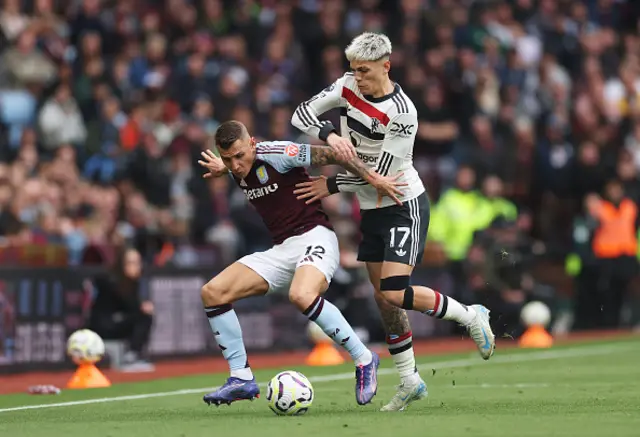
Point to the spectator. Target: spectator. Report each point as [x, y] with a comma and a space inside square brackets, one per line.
[61, 121]
[493, 205]
[436, 136]
[615, 245]
[24, 64]
[121, 312]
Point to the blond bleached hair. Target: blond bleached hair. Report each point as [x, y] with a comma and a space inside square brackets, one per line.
[368, 46]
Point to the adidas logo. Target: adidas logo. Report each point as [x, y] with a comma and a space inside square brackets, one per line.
[243, 183]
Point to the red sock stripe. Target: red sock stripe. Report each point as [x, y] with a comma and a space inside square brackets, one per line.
[436, 307]
[399, 339]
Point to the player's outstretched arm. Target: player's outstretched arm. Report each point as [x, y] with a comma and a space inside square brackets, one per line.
[305, 118]
[386, 186]
[323, 155]
[213, 164]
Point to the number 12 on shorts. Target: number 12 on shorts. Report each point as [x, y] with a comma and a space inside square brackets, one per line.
[315, 251]
[400, 233]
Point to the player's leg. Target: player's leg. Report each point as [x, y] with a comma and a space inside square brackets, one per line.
[400, 343]
[395, 321]
[404, 247]
[308, 285]
[312, 277]
[397, 327]
[236, 282]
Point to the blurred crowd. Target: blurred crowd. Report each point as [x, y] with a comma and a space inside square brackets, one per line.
[527, 109]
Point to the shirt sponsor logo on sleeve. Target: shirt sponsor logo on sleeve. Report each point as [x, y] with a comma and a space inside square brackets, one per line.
[402, 130]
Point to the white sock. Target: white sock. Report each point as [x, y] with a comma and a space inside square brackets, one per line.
[401, 350]
[244, 373]
[364, 359]
[448, 308]
[411, 380]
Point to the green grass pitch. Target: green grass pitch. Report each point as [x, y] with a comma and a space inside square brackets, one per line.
[585, 390]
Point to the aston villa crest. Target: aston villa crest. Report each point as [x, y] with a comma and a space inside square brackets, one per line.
[262, 174]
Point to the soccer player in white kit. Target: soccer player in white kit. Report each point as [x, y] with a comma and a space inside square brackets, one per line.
[380, 122]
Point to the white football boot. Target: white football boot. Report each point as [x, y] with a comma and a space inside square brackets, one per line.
[480, 331]
[406, 394]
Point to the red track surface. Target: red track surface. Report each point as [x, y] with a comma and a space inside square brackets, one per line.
[20, 382]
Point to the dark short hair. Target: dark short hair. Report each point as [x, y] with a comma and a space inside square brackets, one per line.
[228, 133]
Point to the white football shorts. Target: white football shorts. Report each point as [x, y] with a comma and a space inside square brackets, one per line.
[317, 247]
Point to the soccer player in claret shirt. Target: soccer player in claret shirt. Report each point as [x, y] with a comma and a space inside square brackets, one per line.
[302, 261]
[380, 122]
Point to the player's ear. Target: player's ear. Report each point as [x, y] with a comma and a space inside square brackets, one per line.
[387, 66]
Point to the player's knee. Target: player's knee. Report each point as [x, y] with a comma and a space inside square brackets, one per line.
[380, 298]
[397, 291]
[386, 301]
[301, 298]
[214, 294]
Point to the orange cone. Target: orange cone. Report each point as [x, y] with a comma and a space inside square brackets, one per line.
[88, 376]
[324, 354]
[536, 337]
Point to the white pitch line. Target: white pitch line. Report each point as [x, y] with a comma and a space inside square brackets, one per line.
[517, 358]
[515, 385]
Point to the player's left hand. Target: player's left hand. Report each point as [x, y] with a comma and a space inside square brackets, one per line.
[388, 186]
[212, 163]
[314, 190]
[342, 146]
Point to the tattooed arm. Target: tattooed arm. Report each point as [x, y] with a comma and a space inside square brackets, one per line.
[364, 175]
[323, 155]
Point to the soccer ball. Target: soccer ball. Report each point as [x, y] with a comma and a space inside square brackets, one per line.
[85, 347]
[289, 393]
[535, 313]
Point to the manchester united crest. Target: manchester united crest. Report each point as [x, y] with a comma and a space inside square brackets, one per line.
[375, 124]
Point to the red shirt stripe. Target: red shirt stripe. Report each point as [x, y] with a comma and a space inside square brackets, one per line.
[363, 106]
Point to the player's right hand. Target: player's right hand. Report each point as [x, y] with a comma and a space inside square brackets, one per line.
[213, 164]
[388, 186]
[314, 190]
[342, 146]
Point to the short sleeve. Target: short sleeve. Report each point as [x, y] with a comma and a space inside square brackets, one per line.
[284, 155]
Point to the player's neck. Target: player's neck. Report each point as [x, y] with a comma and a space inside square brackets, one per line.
[385, 89]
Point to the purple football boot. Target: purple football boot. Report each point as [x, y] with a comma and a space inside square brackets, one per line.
[235, 389]
[367, 380]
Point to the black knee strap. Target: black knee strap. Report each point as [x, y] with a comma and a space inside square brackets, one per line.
[398, 283]
[395, 283]
[407, 302]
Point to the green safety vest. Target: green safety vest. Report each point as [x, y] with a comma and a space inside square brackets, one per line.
[491, 209]
[454, 220]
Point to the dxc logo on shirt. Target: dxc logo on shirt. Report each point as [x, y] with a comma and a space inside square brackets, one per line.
[403, 130]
